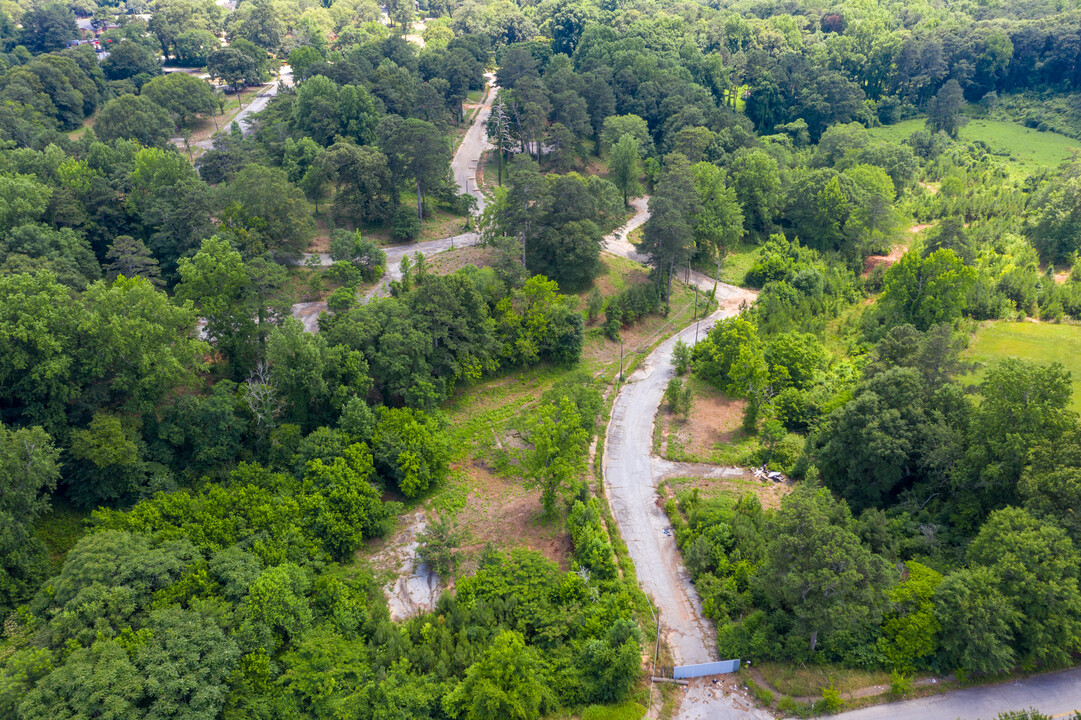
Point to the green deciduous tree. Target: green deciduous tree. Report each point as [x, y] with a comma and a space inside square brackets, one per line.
[1035, 566]
[128, 60]
[718, 225]
[38, 321]
[258, 22]
[134, 117]
[558, 454]
[977, 622]
[757, 182]
[342, 505]
[193, 47]
[273, 207]
[28, 474]
[144, 346]
[817, 571]
[926, 291]
[48, 27]
[421, 152]
[910, 630]
[944, 110]
[667, 237]
[218, 284]
[314, 380]
[506, 682]
[625, 166]
[183, 95]
[231, 66]
[411, 448]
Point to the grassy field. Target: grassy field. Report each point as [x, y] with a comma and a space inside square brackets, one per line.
[1029, 341]
[1023, 149]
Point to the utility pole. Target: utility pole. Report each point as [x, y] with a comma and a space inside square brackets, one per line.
[695, 316]
[500, 120]
[621, 359]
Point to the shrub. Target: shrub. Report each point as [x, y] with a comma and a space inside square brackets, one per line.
[831, 698]
[900, 684]
[591, 546]
[681, 357]
[342, 300]
[405, 225]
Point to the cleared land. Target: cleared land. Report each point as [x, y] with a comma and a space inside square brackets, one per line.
[1025, 150]
[1039, 342]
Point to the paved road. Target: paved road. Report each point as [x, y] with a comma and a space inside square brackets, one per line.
[464, 166]
[475, 142]
[632, 483]
[1056, 694]
[244, 117]
[618, 244]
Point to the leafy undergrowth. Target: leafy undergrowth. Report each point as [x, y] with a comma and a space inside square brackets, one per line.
[60, 529]
[627, 711]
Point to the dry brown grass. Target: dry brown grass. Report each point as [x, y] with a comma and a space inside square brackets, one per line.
[450, 261]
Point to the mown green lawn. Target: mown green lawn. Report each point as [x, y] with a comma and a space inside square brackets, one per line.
[1025, 150]
[1038, 342]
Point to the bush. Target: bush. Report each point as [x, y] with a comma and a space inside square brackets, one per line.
[405, 225]
[629, 711]
[900, 684]
[831, 698]
[594, 305]
[345, 274]
[678, 397]
[681, 357]
[633, 303]
[438, 544]
[342, 300]
[591, 546]
[786, 452]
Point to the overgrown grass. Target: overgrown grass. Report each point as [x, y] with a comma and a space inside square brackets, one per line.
[808, 681]
[1023, 150]
[737, 263]
[1037, 342]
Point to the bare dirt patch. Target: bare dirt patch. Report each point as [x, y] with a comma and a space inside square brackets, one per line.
[714, 418]
[503, 512]
[898, 251]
